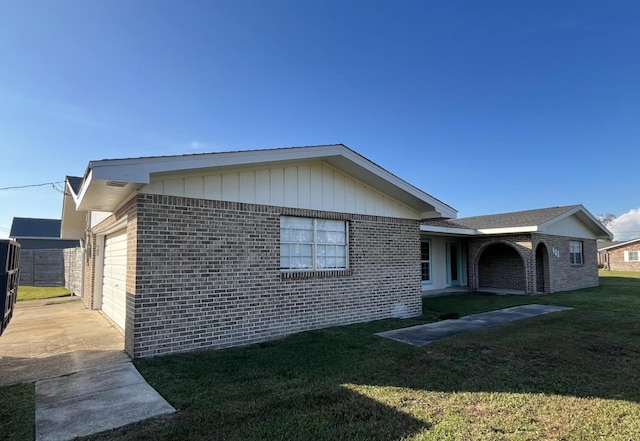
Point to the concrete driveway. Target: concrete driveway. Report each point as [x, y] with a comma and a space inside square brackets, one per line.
[54, 337]
[84, 382]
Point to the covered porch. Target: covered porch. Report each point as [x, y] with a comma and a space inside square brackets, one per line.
[458, 260]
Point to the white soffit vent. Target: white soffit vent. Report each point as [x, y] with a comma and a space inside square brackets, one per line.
[119, 184]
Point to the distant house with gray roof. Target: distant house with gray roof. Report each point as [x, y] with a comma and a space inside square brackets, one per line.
[41, 255]
[620, 255]
[39, 234]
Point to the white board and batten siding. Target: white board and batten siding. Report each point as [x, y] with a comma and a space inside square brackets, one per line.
[114, 277]
[315, 186]
[570, 227]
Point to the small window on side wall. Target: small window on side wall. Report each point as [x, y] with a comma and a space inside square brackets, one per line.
[575, 252]
[632, 256]
[308, 244]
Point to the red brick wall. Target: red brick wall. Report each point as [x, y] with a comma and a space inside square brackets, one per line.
[616, 258]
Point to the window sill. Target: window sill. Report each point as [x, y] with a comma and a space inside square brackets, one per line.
[319, 274]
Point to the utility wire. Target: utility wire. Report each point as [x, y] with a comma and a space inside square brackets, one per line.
[53, 184]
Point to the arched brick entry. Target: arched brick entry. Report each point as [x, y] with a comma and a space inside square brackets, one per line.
[542, 269]
[500, 266]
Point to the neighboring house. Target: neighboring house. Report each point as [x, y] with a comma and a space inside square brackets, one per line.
[620, 256]
[225, 249]
[41, 256]
[39, 234]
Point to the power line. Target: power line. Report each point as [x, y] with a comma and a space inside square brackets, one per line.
[53, 184]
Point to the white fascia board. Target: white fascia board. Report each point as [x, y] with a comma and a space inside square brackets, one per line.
[447, 230]
[139, 170]
[584, 215]
[509, 230]
[86, 182]
[442, 208]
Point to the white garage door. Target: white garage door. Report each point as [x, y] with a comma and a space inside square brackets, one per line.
[115, 277]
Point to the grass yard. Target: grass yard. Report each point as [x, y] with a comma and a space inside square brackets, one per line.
[26, 293]
[571, 375]
[17, 412]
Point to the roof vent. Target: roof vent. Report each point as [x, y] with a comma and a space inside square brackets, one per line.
[119, 184]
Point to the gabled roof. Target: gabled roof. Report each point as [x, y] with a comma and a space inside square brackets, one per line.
[75, 183]
[515, 219]
[619, 244]
[107, 183]
[446, 226]
[538, 220]
[28, 227]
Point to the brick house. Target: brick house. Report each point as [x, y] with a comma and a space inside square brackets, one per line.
[620, 256]
[531, 252]
[217, 250]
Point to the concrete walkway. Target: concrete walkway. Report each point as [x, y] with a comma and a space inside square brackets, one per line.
[424, 334]
[93, 401]
[85, 383]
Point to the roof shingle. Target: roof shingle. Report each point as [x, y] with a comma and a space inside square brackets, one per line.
[514, 219]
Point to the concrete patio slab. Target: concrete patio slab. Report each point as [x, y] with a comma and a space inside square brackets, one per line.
[424, 334]
[93, 401]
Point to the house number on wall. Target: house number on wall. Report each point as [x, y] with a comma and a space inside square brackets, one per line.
[556, 252]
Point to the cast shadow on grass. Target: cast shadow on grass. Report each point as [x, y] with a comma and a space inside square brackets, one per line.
[339, 383]
[347, 383]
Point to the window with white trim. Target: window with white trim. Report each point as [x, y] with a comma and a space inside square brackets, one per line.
[575, 252]
[308, 244]
[425, 260]
[632, 256]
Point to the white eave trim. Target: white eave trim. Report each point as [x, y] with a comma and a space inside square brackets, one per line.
[448, 230]
[139, 170]
[83, 189]
[508, 230]
[583, 215]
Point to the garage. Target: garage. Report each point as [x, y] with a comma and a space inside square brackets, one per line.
[114, 277]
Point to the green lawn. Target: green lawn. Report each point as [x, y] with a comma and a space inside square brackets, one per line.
[571, 375]
[17, 412]
[26, 293]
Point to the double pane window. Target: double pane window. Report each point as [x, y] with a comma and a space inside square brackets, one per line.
[312, 244]
[425, 260]
[575, 252]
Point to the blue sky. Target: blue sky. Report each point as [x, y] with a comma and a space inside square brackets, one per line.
[490, 106]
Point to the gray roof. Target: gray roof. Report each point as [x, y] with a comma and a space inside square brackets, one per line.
[33, 227]
[615, 243]
[514, 219]
[75, 183]
[446, 223]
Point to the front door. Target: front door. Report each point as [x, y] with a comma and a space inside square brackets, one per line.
[456, 265]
